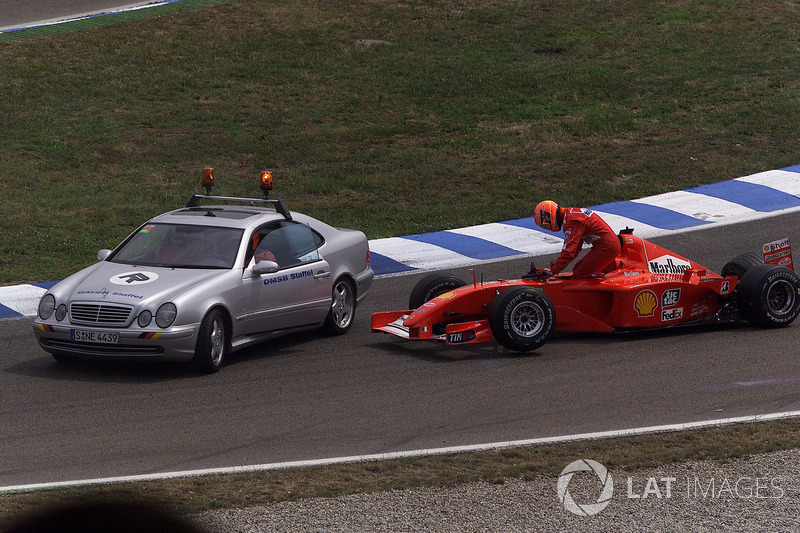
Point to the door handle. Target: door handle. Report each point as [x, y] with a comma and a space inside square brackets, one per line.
[322, 274]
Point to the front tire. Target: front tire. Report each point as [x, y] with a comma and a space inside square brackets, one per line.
[522, 319]
[430, 287]
[343, 308]
[769, 295]
[212, 343]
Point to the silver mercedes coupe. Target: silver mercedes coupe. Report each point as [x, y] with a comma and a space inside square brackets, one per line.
[199, 282]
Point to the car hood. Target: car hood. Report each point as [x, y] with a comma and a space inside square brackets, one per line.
[135, 285]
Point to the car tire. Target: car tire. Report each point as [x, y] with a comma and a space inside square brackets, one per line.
[343, 308]
[430, 287]
[741, 264]
[522, 318]
[212, 342]
[769, 295]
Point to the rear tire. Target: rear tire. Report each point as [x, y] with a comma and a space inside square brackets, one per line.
[430, 287]
[522, 319]
[741, 264]
[343, 308]
[212, 343]
[769, 295]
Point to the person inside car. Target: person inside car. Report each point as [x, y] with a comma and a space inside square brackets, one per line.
[260, 248]
[264, 255]
[579, 225]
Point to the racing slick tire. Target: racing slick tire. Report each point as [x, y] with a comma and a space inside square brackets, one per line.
[741, 264]
[430, 287]
[769, 295]
[212, 343]
[343, 308]
[522, 319]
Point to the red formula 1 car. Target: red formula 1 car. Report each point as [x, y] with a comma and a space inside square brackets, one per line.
[645, 287]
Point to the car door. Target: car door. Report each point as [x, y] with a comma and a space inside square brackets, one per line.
[298, 292]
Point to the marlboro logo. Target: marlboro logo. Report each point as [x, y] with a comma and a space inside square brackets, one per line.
[667, 264]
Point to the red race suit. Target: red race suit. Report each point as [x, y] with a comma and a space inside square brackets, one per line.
[583, 225]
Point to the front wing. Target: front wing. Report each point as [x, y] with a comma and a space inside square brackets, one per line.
[456, 333]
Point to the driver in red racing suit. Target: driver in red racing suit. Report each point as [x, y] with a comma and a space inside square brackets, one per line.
[580, 225]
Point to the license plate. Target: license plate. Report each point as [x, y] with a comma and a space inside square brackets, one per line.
[105, 337]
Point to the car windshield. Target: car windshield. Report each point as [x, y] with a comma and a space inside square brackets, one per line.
[180, 246]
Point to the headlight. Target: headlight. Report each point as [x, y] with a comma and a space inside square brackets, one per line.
[144, 318]
[61, 312]
[165, 315]
[46, 306]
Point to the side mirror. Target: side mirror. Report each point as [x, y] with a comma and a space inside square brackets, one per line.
[265, 267]
[102, 254]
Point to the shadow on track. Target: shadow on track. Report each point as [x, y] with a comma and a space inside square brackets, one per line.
[439, 352]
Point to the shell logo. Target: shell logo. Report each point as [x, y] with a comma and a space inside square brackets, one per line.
[645, 303]
[446, 295]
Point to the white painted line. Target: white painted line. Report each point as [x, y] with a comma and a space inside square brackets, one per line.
[788, 182]
[24, 299]
[618, 223]
[470, 448]
[697, 205]
[738, 219]
[520, 239]
[415, 253]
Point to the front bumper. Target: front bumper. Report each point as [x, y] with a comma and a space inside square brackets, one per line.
[176, 343]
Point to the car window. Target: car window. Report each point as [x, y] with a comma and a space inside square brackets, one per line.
[180, 246]
[286, 243]
[262, 246]
[302, 241]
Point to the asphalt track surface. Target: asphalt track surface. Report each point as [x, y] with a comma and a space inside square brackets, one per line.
[309, 396]
[24, 13]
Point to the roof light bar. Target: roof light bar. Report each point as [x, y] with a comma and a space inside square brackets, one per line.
[266, 184]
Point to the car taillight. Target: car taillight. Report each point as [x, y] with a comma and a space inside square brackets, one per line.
[368, 259]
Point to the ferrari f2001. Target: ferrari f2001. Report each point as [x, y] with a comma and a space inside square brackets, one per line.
[646, 286]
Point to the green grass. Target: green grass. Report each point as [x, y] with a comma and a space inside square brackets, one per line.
[471, 112]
